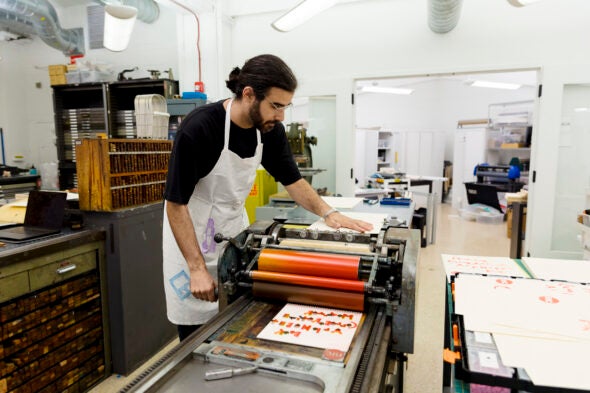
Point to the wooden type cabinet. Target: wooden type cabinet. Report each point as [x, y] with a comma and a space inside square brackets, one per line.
[121, 173]
[53, 334]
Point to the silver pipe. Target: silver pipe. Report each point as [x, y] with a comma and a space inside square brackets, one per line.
[41, 16]
[147, 10]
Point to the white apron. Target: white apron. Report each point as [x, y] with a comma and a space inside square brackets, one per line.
[216, 206]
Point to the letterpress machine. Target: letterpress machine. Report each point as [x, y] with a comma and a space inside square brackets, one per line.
[271, 264]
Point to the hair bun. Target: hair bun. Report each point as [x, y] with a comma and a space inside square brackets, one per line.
[232, 82]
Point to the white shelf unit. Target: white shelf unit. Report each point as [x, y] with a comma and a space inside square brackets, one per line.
[508, 134]
[385, 153]
[374, 150]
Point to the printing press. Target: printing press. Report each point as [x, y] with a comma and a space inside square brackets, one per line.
[271, 264]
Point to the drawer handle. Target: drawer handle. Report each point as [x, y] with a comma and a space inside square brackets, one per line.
[65, 269]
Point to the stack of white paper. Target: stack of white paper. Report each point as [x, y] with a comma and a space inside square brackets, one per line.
[541, 326]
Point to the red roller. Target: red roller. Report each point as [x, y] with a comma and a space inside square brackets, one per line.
[310, 296]
[309, 281]
[310, 263]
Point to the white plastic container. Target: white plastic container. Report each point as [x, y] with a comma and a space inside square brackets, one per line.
[467, 214]
[489, 218]
[481, 213]
[73, 77]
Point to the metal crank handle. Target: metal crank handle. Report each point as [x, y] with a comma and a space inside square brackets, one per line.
[223, 373]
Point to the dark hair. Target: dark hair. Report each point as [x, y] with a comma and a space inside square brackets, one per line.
[261, 73]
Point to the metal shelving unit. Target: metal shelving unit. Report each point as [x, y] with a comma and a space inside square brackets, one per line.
[86, 110]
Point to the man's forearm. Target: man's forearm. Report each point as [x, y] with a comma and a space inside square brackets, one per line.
[184, 233]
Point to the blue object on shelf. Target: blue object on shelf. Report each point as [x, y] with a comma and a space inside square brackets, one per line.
[513, 172]
[193, 94]
[396, 201]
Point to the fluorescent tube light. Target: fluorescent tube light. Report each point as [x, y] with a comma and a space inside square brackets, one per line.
[301, 13]
[522, 3]
[496, 85]
[386, 90]
[581, 109]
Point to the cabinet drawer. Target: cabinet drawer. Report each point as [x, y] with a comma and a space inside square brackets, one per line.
[61, 270]
[14, 286]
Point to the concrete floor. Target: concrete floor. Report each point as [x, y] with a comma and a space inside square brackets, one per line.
[423, 373]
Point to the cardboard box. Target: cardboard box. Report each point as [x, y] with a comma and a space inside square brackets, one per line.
[509, 221]
[57, 79]
[57, 69]
[511, 145]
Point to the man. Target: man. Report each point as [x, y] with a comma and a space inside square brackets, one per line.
[213, 165]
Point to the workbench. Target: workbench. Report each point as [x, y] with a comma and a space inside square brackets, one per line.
[290, 211]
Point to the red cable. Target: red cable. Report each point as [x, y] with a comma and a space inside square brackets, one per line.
[198, 32]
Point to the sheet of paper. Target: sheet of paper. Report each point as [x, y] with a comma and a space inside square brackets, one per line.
[312, 326]
[342, 202]
[376, 219]
[547, 362]
[559, 269]
[499, 266]
[524, 307]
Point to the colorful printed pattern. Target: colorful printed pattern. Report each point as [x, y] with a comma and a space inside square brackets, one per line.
[313, 326]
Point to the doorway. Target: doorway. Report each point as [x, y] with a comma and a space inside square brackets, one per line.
[437, 121]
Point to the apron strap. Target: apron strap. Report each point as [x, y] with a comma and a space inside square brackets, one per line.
[227, 125]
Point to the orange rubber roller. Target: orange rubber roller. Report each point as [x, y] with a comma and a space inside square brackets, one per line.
[310, 263]
[311, 296]
[310, 281]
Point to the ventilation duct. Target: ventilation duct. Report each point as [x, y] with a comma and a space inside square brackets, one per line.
[39, 17]
[15, 25]
[443, 15]
[147, 10]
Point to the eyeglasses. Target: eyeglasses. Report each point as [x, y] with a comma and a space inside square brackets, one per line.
[279, 107]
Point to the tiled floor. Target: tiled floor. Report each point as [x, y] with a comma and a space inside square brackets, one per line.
[424, 369]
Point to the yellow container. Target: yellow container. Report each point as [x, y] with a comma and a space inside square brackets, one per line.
[57, 69]
[264, 186]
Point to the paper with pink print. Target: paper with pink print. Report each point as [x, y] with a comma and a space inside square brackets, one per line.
[500, 266]
[312, 326]
[524, 307]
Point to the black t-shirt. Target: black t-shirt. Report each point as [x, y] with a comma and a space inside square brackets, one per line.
[199, 142]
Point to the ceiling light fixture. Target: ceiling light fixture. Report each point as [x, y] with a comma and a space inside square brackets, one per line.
[582, 109]
[386, 90]
[496, 85]
[301, 13]
[522, 3]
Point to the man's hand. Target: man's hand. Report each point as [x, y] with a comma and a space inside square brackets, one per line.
[337, 220]
[202, 285]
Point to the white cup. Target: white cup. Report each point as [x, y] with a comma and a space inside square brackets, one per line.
[118, 25]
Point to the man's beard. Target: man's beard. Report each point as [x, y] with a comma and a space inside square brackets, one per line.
[257, 119]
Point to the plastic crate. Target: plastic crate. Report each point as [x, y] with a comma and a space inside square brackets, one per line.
[152, 125]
